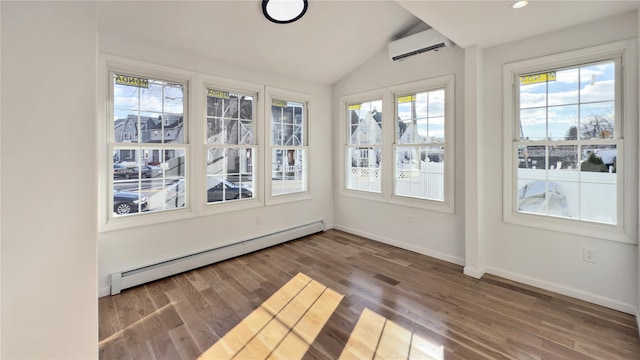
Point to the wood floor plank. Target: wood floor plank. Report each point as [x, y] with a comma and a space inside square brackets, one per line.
[364, 339]
[184, 343]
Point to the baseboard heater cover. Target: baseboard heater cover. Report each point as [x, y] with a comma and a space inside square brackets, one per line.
[134, 277]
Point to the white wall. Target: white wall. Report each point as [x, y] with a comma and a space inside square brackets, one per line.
[49, 307]
[433, 233]
[127, 249]
[549, 259]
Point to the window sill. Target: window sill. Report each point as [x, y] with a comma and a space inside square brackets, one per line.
[140, 220]
[572, 227]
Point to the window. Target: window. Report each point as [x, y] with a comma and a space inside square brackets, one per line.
[567, 142]
[231, 150]
[288, 147]
[148, 144]
[364, 146]
[416, 138]
[423, 150]
[420, 145]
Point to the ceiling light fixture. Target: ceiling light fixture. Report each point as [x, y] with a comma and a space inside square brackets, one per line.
[520, 4]
[284, 11]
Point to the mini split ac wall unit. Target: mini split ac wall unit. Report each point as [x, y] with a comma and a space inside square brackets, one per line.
[422, 42]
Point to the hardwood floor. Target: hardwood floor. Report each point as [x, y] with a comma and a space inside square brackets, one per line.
[492, 318]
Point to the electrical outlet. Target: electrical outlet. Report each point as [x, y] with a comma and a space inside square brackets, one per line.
[589, 255]
[258, 220]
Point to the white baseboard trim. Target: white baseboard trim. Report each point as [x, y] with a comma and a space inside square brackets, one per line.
[474, 273]
[564, 290]
[417, 249]
[105, 291]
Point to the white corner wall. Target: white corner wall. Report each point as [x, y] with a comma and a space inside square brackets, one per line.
[49, 308]
[433, 233]
[127, 249]
[543, 258]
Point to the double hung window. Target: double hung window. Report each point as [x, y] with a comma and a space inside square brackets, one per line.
[288, 147]
[420, 145]
[565, 165]
[148, 144]
[231, 146]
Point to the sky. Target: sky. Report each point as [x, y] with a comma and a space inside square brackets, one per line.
[549, 109]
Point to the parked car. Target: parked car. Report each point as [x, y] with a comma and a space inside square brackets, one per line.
[125, 202]
[122, 171]
[220, 189]
[147, 171]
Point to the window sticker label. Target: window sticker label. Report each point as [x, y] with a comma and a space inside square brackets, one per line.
[132, 81]
[278, 102]
[218, 94]
[408, 98]
[538, 78]
[355, 106]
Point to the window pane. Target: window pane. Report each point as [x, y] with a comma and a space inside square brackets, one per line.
[148, 179]
[289, 172]
[597, 82]
[436, 103]
[564, 90]
[597, 120]
[563, 121]
[215, 131]
[598, 186]
[533, 124]
[151, 98]
[532, 176]
[563, 178]
[533, 95]
[363, 171]
[365, 122]
[436, 130]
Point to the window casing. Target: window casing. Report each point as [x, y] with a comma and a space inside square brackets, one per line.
[565, 163]
[364, 146]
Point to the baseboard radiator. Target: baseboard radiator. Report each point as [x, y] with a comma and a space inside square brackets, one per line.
[134, 277]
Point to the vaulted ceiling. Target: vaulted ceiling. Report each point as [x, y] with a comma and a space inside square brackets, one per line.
[334, 37]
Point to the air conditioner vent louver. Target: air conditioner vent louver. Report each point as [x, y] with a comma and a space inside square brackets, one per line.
[419, 51]
[422, 42]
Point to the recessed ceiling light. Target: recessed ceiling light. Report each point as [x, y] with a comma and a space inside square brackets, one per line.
[519, 4]
[284, 11]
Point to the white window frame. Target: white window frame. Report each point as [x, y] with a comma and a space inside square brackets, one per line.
[345, 135]
[446, 82]
[109, 64]
[626, 130]
[276, 93]
[200, 182]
